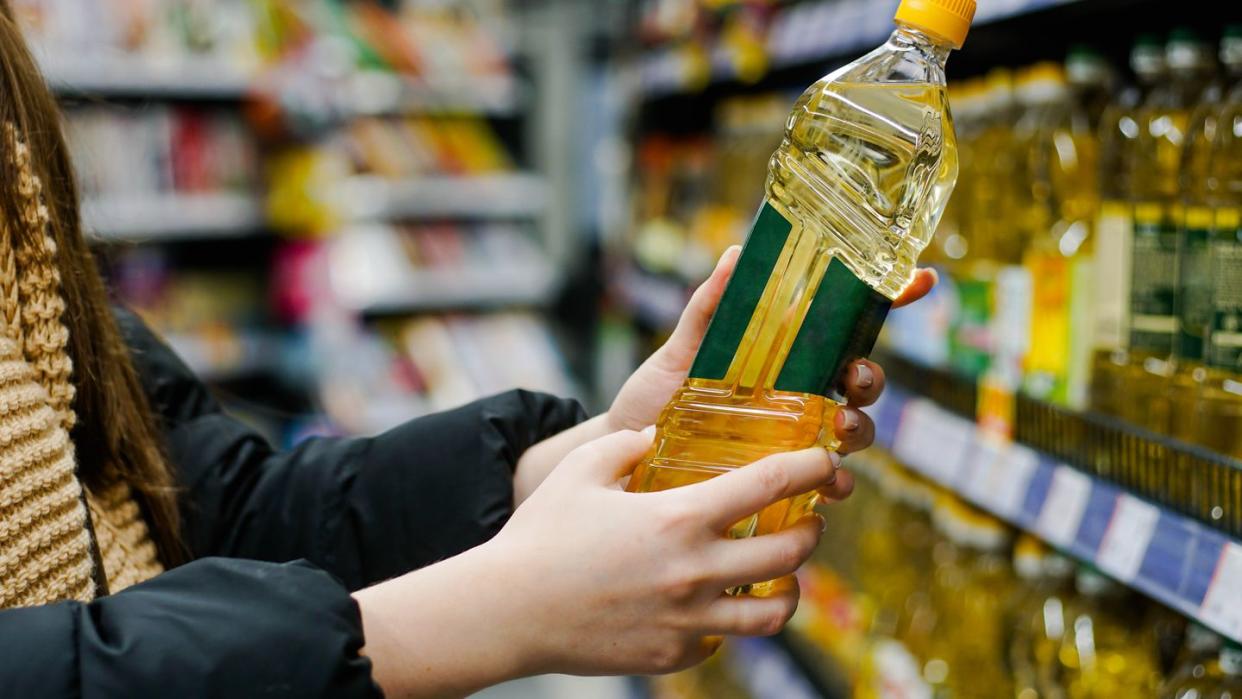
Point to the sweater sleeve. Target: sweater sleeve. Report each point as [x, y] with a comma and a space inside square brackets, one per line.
[363, 509]
[210, 628]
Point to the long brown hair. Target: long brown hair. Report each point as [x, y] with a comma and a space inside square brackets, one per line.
[115, 435]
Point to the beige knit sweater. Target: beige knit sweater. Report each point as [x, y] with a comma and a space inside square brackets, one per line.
[46, 551]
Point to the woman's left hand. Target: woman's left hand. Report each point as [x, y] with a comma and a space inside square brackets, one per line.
[648, 389]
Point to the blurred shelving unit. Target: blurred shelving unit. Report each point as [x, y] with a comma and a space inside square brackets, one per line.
[503, 196]
[173, 216]
[121, 75]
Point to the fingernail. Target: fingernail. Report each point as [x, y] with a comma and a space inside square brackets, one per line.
[835, 458]
[849, 420]
[863, 375]
[649, 431]
[823, 524]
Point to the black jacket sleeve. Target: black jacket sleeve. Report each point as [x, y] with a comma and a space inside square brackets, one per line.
[363, 509]
[211, 628]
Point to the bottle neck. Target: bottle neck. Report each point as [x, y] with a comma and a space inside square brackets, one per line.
[933, 48]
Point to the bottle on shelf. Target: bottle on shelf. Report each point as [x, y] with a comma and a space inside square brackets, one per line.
[1164, 122]
[1218, 404]
[1108, 650]
[1037, 618]
[853, 195]
[990, 242]
[1209, 669]
[1119, 132]
[1060, 149]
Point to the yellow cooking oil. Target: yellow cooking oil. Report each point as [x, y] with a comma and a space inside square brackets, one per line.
[853, 195]
[1219, 402]
[1164, 126]
[1118, 143]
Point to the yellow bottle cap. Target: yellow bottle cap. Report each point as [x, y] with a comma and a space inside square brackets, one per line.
[946, 19]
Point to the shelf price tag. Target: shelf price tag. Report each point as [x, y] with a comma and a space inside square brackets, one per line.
[1012, 480]
[1222, 606]
[934, 441]
[1125, 542]
[1064, 506]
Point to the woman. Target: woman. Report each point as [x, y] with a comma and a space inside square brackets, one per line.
[150, 545]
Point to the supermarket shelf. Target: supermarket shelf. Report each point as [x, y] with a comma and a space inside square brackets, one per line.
[1183, 563]
[74, 73]
[172, 216]
[375, 93]
[813, 32]
[228, 356]
[456, 289]
[370, 272]
[501, 196]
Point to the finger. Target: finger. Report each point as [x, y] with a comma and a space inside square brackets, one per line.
[610, 457]
[684, 341]
[768, 557]
[746, 615]
[840, 488]
[864, 382]
[919, 286]
[854, 430]
[744, 491]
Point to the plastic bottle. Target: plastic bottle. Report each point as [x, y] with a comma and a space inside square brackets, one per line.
[1208, 194]
[1119, 132]
[1108, 651]
[1164, 123]
[1038, 618]
[853, 195]
[1061, 160]
[1219, 403]
[1209, 673]
[989, 206]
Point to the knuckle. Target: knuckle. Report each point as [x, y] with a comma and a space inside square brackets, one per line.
[670, 654]
[791, 554]
[679, 514]
[773, 478]
[684, 584]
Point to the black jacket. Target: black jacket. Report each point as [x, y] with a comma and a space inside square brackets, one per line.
[279, 541]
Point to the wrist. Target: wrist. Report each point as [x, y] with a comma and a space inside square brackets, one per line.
[450, 629]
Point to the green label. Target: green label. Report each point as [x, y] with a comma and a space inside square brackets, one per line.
[1194, 297]
[971, 346]
[741, 295]
[841, 325]
[1153, 286]
[1225, 334]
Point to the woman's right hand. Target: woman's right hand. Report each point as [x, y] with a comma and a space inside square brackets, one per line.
[589, 579]
[619, 583]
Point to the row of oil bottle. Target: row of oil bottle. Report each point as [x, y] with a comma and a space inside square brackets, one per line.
[1094, 235]
[947, 601]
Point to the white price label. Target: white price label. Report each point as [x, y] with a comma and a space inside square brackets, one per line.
[1126, 539]
[982, 467]
[913, 435]
[1063, 510]
[1012, 478]
[934, 441]
[1222, 606]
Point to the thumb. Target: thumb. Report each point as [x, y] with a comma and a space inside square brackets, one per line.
[608, 458]
[684, 341]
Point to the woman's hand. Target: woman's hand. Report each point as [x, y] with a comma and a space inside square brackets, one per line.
[589, 579]
[644, 395]
[648, 389]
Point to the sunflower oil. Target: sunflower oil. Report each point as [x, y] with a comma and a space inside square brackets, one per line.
[853, 195]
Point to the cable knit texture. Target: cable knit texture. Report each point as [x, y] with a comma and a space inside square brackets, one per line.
[45, 545]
